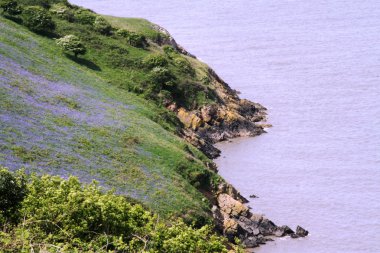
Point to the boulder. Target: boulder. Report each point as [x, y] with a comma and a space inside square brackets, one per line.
[301, 232]
[231, 207]
[230, 190]
[282, 231]
[267, 227]
[250, 227]
[231, 229]
[294, 236]
[250, 242]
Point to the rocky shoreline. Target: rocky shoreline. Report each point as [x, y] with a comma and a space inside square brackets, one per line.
[232, 117]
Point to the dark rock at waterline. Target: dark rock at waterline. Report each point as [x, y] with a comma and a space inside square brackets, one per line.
[300, 231]
[267, 227]
[249, 226]
[294, 236]
[283, 231]
[251, 242]
[253, 196]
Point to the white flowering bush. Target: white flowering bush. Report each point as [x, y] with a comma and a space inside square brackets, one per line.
[71, 44]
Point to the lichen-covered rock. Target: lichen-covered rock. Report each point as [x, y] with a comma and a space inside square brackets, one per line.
[231, 206]
[231, 229]
[189, 119]
[230, 190]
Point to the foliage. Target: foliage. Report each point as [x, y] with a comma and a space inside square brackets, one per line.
[155, 60]
[184, 65]
[62, 11]
[10, 7]
[63, 215]
[123, 33]
[163, 76]
[71, 44]
[102, 26]
[38, 20]
[12, 192]
[43, 3]
[134, 39]
[84, 16]
[137, 40]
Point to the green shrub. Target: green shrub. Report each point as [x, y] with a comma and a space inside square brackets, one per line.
[184, 65]
[38, 20]
[43, 3]
[123, 33]
[84, 16]
[10, 7]
[169, 50]
[64, 216]
[137, 40]
[163, 76]
[71, 44]
[12, 192]
[181, 238]
[62, 12]
[102, 26]
[155, 60]
[134, 39]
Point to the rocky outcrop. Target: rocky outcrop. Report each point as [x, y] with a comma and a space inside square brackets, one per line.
[214, 123]
[169, 40]
[234, 219]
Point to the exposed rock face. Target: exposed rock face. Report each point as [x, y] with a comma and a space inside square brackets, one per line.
[214, 123]
[234, 219]
[169, 40]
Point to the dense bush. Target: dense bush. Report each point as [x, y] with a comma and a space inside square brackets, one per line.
[84, 16]
[102, 26]
[155, 60]
[38, 20]
[134, 39]
[169, 50]
[123, 33]
[184, 65]
[63, 12]
[137, 40]
[43, 3]
[162, 77]
[64, 216]
[71, 44]
[12, 192]
[10, 7]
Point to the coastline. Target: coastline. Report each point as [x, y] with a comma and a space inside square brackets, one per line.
[233, 117]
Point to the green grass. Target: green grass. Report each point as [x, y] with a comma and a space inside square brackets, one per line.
[137, 25]
[127, 149]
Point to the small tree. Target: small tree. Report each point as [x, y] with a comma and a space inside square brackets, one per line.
[38, 19]
[12, 192]
[101, 25]
[71, 44]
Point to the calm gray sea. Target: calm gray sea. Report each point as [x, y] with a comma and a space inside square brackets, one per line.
[316, 66]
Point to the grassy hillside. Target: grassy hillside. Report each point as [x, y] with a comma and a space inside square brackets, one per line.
[67, 116]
